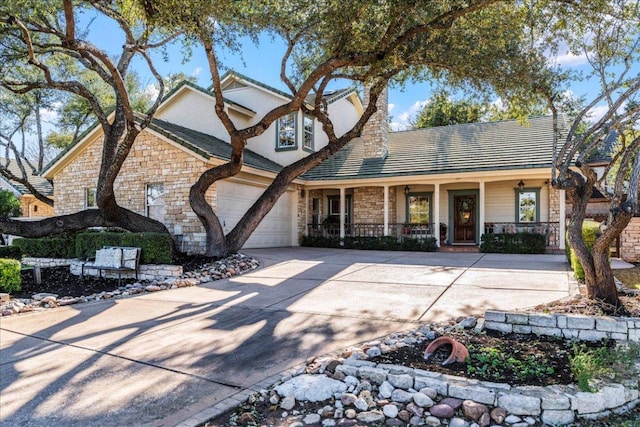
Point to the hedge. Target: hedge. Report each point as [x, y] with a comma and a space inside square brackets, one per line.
[61, 246]
[9, 275]
[11, 252]
[513, 243]
[386, 243]
[157, 248]
[590, 232]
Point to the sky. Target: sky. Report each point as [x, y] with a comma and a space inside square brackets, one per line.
[262, 62]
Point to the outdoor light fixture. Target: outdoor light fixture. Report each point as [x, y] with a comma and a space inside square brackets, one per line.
[521, 185]
[406, 190]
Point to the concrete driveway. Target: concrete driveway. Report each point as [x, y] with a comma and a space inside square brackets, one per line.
[166, 358]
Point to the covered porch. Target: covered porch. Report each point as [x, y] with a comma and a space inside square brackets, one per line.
[453, 210]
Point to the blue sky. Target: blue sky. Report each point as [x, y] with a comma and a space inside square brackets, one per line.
[262, 63]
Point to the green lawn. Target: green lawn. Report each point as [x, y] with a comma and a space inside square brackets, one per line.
[629, 276]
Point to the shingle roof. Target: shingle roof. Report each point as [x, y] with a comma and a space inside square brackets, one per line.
[447, 149]
[209, 146]
[39, 183]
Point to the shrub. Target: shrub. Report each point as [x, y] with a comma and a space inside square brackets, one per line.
[9, 275]
[59, 246]
[590, 364]
[590, 232]
[386, 243]
[11, 252]
[156, 248]
[513, 243]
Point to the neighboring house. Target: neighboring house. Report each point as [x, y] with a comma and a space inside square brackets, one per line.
[30, 206]
[476, 179]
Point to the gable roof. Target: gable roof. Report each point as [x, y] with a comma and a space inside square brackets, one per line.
[39, 183]
[447, 149]
[209, 146]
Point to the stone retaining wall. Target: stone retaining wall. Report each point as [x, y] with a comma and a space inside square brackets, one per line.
[145, 272]
[571, 326]
[555, 405]
[46, 262]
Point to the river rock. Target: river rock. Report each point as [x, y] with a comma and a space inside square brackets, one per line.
[473, 409]
[442, 411]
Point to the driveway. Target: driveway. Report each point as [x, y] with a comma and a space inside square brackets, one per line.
[166, 358]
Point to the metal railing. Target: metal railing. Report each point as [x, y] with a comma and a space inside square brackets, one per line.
[399, 230]
[551, 230]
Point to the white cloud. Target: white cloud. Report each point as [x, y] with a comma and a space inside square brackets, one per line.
[196, 72]
[50, 115]
[402, 121]
[390, 107]
[151, 91]
[570, 60]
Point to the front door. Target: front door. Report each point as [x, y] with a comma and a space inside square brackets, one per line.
[464, 218]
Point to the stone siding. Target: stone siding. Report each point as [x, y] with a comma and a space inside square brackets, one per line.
[151, 160]
[554, 212]
[368, 205]
[630, 241]
[375, 134]
[34, 208]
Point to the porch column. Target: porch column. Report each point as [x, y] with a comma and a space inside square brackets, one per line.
[436, 213]
[481, 218]
[385, 232]
[562, 220]
[342, 211]
[306, 212]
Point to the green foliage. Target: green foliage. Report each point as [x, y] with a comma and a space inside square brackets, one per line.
[591, 364]
[9, 204]
[590, 232]
[442, 111]
[10, 275]
[386, 243]
[12, 252]
[496, 364]
[60, 246]
[156, 248]
[513, 243]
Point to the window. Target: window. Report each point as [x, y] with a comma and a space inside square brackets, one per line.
[334, 208]
[286, 132]
[419, 208]
[527, 208]
[155, 207]
[90, 198]
[307, 132]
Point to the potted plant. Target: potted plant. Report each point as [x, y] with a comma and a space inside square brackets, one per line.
[443, 232]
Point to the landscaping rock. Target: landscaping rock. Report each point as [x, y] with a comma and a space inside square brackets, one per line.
[442, 411]
[370, 416]
[314, 388]
[474, 410]
[498, 415]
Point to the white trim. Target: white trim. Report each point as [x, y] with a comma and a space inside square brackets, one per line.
[436, 213]
[562, 218]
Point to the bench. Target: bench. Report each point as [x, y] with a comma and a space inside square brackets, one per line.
[114, 258]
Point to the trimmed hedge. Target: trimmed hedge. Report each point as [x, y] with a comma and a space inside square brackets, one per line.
[513, 243]
[386, 243]
[11, 252]
[61, 246]
[590, 232]
[157, 248]
[10, 275]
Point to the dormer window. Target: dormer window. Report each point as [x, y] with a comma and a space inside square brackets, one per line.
[307, 132]
[286, 132]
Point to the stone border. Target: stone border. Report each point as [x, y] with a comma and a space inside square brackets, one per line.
[551, 405]
[570, 326]
[47, 262]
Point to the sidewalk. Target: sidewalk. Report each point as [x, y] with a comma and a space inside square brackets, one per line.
[166, 358]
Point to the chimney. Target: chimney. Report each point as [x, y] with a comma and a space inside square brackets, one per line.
[375, 133]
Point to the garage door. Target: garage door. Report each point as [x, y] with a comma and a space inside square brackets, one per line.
[276, 229]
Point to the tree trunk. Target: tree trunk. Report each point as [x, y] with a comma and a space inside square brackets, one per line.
[54, 225]
[216, 243]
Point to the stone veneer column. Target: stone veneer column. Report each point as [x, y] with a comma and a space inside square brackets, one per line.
[376, 131]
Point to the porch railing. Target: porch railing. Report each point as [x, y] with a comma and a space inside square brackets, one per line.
[399, 230]
[551, 230]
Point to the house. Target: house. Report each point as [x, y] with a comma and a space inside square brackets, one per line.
[29, 205]
[475, 179]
